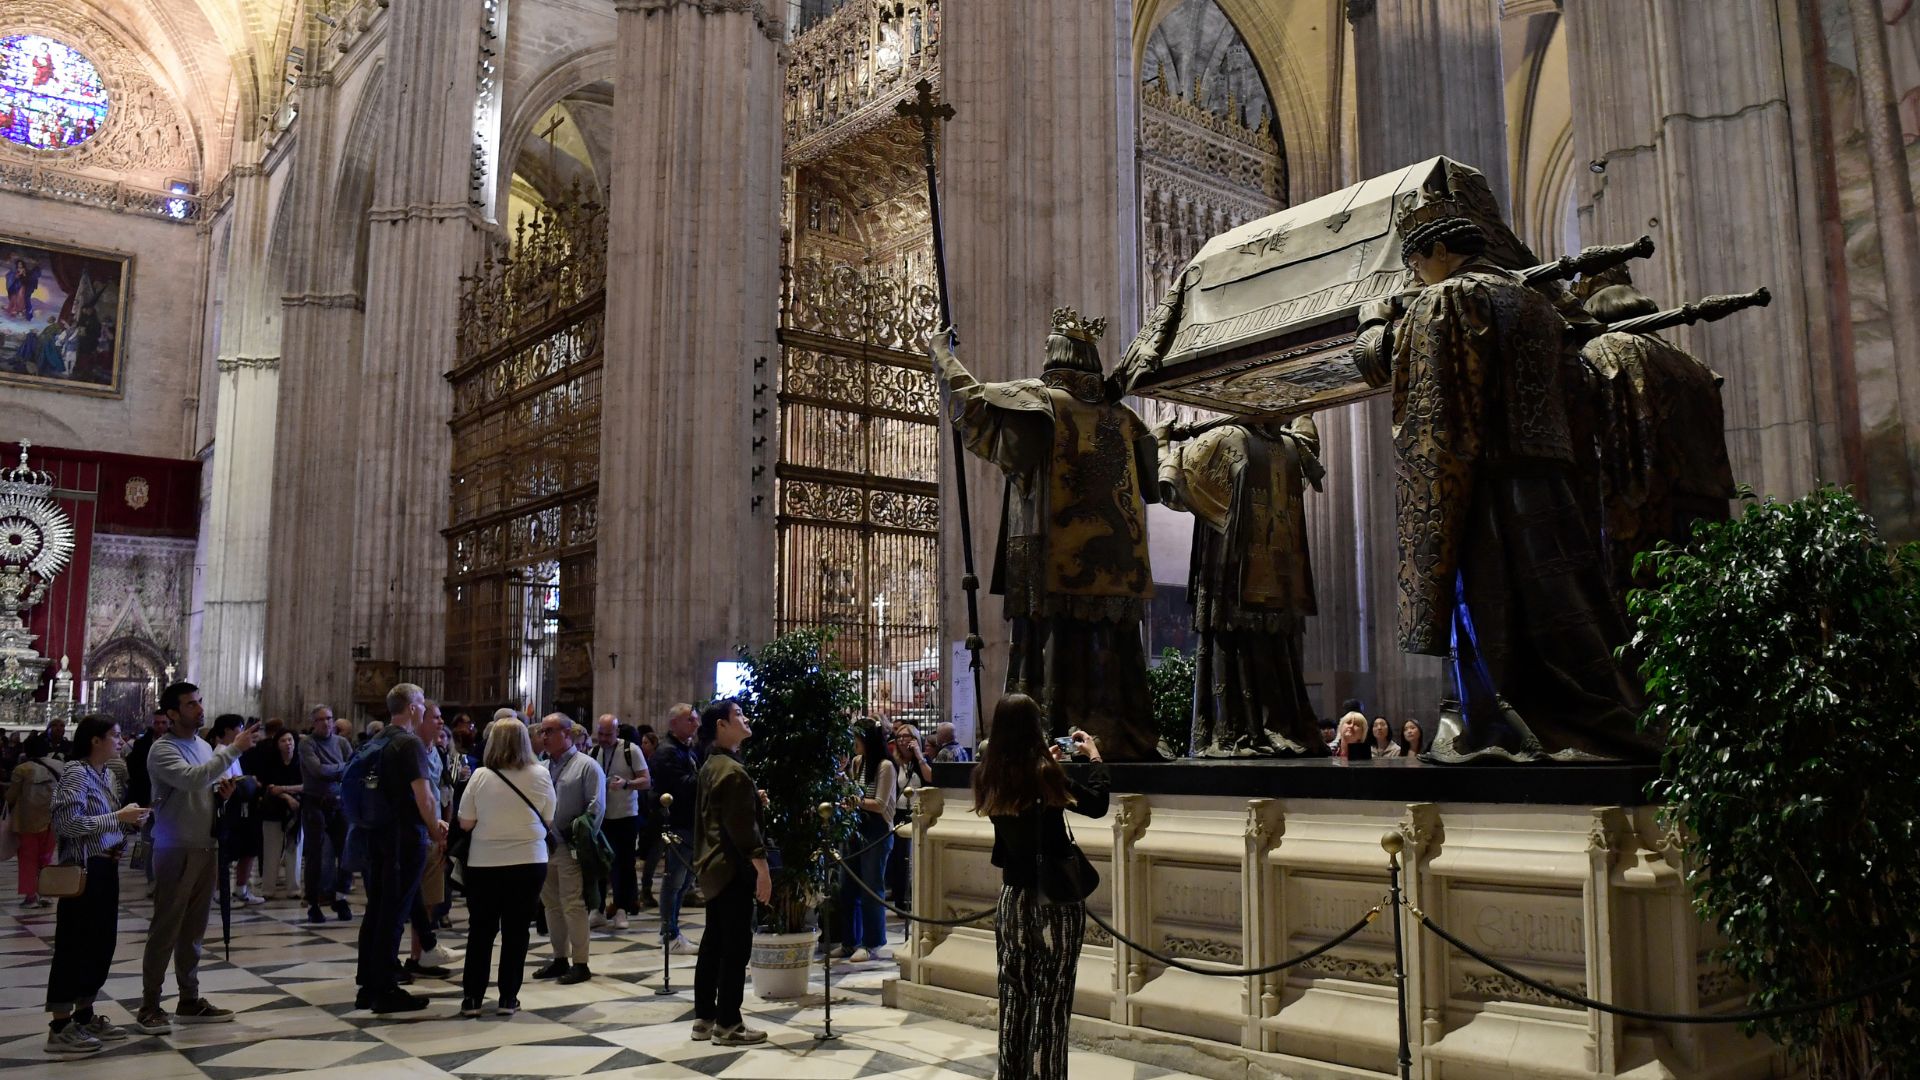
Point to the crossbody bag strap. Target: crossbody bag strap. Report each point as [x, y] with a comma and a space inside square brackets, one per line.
[523, 797]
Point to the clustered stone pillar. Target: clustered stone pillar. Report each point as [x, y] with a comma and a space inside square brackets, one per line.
[1683, 111]
[1428, 82]
[309, 625]
[233, 630]
[685, 551]
[424, 228]
[1038, 195]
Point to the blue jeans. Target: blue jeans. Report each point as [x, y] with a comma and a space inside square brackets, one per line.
[866, 919]
[676, 876]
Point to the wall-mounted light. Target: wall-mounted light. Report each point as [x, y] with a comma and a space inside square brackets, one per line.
[1597, 165]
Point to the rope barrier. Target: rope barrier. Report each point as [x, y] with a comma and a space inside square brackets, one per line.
[1748, 1016]
[1239, 973]
[909, 916]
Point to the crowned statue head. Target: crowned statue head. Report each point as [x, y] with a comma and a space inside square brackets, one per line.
[1436, 237]
[1073, 343]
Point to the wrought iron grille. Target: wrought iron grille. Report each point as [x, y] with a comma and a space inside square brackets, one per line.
[526, 452]
[858, 478]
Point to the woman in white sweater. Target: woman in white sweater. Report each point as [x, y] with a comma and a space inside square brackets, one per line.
[506, 807]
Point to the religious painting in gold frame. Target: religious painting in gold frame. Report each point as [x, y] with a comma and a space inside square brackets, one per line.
[63, 321]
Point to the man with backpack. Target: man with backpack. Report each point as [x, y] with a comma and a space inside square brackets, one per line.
[627, 776]
[580, 795]
[676, 769]
[385, 795]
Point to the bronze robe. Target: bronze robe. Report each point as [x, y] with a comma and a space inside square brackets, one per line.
[1663, 446]
[1250, 583]
[1071, 561]
[1498, 569]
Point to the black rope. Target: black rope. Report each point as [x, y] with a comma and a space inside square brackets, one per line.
[1240, 973]
[908, 915]
[1749, 1016]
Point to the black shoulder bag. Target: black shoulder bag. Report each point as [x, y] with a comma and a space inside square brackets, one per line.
[1069, 879]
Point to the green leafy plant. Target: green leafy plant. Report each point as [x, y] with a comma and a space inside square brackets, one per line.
[800, 701]
[1781, 652]
[1171, 684]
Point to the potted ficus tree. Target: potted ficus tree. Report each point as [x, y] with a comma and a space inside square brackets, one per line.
[1781, 652]
[800, 701]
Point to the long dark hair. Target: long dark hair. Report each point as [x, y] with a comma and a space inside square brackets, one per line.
[1015, 771]
[92, 726]
[873, 750]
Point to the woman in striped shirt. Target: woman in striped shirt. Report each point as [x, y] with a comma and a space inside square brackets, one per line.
[91, 825]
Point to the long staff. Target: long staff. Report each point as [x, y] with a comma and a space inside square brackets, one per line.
[923, 109]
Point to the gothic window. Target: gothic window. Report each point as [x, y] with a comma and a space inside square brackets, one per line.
[51, 97]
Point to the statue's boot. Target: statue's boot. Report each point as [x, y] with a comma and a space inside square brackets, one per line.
[1455, 744]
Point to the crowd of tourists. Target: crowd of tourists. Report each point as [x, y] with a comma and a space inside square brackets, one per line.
[552, 828]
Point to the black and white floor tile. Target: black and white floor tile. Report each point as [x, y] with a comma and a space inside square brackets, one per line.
[291, 987]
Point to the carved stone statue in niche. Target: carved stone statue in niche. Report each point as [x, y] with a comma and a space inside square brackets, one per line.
[1250, 581]
[1498, 569]
[1071, 562]
[1662, 438]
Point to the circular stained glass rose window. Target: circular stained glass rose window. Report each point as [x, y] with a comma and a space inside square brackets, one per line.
[51, 97]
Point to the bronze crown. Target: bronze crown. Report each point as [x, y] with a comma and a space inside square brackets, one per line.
[1067, 323]
[1432, 212]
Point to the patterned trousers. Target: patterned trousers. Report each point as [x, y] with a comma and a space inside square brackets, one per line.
[1039, 951]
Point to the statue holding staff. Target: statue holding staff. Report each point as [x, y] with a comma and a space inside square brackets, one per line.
[1071, 564]
[1250, 582]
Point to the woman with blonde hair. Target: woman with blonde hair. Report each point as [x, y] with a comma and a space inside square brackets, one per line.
[1021, 786]
[1351, 743]
[507, 807]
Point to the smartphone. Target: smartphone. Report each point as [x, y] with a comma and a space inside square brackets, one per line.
[1065, 743]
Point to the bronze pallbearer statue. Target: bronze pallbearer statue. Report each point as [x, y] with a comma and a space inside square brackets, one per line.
[1072, 557]
[1250, 582]
[1497, 567]
[1663, 446]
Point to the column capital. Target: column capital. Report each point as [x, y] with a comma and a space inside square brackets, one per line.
[770, 24]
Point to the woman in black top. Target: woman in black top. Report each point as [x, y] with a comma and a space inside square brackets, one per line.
[1020, 785]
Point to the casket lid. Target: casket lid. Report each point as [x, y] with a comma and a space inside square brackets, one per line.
[1262, 319]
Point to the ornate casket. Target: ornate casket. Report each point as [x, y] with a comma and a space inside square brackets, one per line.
[1262, 321]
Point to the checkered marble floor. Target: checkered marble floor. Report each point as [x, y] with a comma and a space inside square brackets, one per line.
[291, 986]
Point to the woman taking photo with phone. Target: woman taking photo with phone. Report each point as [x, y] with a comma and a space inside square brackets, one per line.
[92, 826]
[1044, 880]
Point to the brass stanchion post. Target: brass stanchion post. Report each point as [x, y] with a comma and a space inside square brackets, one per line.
[1394, 843]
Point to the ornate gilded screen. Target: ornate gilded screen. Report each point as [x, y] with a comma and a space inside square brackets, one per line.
[526, 448]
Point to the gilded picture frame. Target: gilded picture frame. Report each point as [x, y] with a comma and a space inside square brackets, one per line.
[63, 316]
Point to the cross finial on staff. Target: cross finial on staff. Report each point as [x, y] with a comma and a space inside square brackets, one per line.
[923, 109]
[547, 134]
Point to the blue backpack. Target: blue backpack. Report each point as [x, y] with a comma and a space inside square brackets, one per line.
[361, 800]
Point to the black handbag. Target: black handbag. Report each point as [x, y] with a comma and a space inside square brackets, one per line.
[1069, 879]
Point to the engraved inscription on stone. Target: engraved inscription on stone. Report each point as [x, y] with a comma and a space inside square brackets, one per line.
[1318, 908]
[1528, 926]
[1191, 895]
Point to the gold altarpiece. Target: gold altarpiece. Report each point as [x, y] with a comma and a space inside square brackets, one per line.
[857, 477]
[526, 450]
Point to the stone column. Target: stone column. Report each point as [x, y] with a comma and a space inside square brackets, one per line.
[1684, 109]
[685, 555]
[424, 227]
[309, 614]
[1038, 195]
[1891, 429]
[233, 627]
[1428, 81]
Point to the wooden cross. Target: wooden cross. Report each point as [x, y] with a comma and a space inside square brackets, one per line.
[924, 110]
[547, 134]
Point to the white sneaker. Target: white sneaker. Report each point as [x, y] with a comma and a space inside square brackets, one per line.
[597, 920]
[881, 953]
[251, 898]
[619, 920]
[438, 956]
[680, 946]
[860, 956]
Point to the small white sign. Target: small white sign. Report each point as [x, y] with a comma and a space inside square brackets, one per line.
[960, 679]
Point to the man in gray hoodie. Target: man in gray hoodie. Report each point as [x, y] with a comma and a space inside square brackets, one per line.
[189, 777]
[323, 757]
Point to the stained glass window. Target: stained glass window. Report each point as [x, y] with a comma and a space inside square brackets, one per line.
[51, 96]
